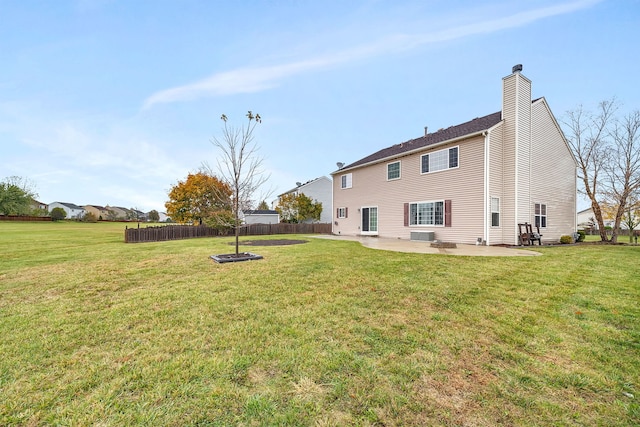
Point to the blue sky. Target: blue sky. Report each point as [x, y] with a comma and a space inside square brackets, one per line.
[112, 102]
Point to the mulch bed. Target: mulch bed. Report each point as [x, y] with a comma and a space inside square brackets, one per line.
[278, 242]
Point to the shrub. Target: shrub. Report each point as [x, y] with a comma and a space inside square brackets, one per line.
[89, 217]
[58, 214]
[566, 239]
[581, 235]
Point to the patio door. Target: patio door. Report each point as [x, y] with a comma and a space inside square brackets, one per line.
[369, 220]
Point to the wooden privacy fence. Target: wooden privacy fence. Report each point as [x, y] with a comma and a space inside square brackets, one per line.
[24, 218]
[178, 232]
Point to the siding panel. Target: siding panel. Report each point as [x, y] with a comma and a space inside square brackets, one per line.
[463, 186]
[553, 180]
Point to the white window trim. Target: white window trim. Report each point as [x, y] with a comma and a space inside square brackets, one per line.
[342, 212]
[491, 212]
[437, 151]
[349, 181]
[399, 170]
[370, 233]
[429, 225]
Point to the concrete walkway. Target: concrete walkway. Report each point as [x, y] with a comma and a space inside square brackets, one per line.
[399, 245]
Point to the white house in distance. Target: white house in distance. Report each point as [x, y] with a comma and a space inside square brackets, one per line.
[319, 190]
[472, 182]
[586, 219]
[260, 216]
[73, 211]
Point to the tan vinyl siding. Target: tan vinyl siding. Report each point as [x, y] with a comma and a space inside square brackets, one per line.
[524, 150]
[553, 177]
[462, 185]
[516, 112]
[508, 201]
[496, 187]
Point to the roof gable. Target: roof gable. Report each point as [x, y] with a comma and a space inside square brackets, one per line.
[471, 127]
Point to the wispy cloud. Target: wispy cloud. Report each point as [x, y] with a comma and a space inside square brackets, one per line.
[256, 79]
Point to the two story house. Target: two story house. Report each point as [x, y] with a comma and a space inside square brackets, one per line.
[318, 190]
[73, 211]
[469, 183]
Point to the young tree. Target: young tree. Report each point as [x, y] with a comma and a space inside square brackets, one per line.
[239, 166]
[263, 206]
[16, 194]
[201, 197]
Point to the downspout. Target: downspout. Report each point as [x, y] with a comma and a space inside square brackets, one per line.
[486, 187]
[575, 200]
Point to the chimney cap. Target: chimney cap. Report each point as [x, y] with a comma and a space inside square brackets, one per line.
[516, 68]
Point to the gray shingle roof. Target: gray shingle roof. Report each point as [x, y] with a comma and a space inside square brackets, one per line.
[476, 125]
[260, 212]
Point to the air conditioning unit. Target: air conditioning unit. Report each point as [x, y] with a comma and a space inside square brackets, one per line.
[423, 236]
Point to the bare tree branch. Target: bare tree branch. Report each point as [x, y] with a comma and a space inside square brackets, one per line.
[587, 138]
[240, 166]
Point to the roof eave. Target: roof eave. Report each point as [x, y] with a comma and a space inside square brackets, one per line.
[415, 150]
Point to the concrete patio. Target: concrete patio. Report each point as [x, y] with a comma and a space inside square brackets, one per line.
[400, 245]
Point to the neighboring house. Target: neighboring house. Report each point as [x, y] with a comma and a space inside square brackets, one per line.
[586, 220]
[163, 217]
[138, 215]
[318, 190]
[474, 182]
[119, 213]
[39, 206]
[73, 211]
[100, 212]
[260, 216]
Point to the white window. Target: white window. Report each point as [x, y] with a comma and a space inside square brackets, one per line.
[426, 213]
[393, 171]
[345, 181]
[495, 212]
[540, 215]
[439, 160]
[342, 212]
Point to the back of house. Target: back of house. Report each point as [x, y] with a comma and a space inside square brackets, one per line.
[473, 182]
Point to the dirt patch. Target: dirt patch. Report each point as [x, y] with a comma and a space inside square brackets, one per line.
[278, 242]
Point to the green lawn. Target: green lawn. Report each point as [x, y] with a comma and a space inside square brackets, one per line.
[327, 333]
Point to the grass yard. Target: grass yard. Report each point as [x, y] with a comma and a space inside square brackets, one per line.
[326, 333]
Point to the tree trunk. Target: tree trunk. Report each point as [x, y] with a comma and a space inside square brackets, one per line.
[597, 213]
[237, 223]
